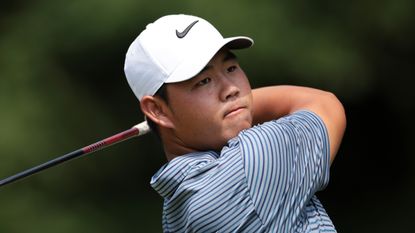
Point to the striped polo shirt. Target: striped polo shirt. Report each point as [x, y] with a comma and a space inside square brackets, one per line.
[263, 180]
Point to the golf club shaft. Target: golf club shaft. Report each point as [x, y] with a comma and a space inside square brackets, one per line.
[137, 130]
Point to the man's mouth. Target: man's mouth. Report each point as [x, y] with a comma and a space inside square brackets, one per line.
[234, 111]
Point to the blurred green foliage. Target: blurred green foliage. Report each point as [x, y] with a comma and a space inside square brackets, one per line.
[62, 87]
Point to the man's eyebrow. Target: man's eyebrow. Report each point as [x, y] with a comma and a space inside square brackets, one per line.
[228, 56]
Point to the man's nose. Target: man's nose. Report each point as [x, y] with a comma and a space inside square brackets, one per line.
[229, 88]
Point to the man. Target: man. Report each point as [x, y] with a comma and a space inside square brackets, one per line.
[224, 175]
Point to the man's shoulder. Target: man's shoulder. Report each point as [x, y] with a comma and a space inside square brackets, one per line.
[304, 117]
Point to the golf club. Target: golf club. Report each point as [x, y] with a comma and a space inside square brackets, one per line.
[137, 130]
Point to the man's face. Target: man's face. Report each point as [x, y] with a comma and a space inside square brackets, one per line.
[212, 107]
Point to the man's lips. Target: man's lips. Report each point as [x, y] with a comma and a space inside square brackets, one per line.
[234, 111]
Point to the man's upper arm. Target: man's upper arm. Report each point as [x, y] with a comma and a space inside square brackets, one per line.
[332, 113]
[278, 101]
[286, 162]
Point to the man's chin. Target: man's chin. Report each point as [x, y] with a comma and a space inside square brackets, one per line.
[234, 131]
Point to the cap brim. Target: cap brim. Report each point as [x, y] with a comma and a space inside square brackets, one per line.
[239, 42]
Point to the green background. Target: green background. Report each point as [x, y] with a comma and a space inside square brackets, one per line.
[62, 87]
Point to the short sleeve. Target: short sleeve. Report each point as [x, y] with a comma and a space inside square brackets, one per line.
[286, 161]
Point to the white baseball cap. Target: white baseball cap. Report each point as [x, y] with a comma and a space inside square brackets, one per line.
[173, 49]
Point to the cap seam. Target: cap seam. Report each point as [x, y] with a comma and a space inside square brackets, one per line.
[153, 59]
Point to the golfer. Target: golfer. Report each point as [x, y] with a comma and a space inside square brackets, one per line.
[239, 159]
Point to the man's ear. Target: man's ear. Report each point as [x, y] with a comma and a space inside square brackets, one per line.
[156, 110]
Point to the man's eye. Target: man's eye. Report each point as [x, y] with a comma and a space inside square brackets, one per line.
[204, 82]
[231, 69]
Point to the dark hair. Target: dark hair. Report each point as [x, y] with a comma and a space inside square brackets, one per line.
[162, 93]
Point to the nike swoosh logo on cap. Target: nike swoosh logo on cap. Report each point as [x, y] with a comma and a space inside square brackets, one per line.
[182, 34]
